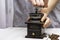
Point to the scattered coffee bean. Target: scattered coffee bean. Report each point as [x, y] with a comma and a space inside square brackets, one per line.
[54, 37]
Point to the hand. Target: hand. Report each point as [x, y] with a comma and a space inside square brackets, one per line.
[40, 2]
[44, 11]
[37, 2]
[47, 22]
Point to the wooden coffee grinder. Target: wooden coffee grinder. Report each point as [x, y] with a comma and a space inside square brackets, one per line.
[35, 25]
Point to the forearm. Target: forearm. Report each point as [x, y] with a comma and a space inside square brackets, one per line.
[51, 5]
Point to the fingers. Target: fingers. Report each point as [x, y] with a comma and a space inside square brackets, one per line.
[44, 17]
[28, 18]
[45, 3]
[47, 22]
[33, 2]
[41, 2]
[37, 2]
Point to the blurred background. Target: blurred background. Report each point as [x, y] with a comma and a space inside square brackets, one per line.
[14, 13]
[6, 13]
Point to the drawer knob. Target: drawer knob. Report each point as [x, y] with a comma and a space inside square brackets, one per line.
[33, 34]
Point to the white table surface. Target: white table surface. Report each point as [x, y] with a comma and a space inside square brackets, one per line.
[19, 33]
